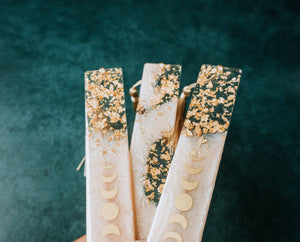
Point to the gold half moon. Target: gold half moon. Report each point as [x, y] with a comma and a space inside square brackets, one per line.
[178, 218]
[191, 170]
[110, 211]
[173, 235]
[109, 194]
[189, 185]
[109, 178]
[110, 229]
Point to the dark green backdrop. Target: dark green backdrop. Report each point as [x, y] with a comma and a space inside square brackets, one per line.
[45, 47]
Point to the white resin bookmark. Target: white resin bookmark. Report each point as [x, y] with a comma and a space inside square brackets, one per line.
[151, 145]
[183, 207]
[109, 189]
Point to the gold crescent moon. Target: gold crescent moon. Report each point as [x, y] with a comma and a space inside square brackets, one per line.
[191, 170]
[111, 229]
[109, 178]
[173, 235]
[178, 218]
[189, 185]
[109, 194]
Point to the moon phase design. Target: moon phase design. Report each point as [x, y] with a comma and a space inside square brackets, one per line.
[191, 170]
[111, 229]
[110, 211]
[189, 185]
[183, 202]
[173, 235]
[109, 194]
[178, 218]
[109, 178]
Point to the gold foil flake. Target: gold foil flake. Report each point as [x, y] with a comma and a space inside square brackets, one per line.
[105, 102]
[212, 104]
[101, 71]
[187, 133]
[198, 131]
[202, 140]
[160, 188]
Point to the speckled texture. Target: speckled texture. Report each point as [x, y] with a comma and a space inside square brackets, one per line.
[45, 47]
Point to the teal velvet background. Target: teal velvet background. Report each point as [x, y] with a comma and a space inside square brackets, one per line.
[45, 47]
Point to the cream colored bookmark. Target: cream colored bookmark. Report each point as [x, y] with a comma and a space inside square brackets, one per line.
[108, 181]
[182, 210]
[151, 145]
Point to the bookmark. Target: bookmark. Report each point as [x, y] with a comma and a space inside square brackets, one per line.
[183, 207]
[151, 145]
[108, 181]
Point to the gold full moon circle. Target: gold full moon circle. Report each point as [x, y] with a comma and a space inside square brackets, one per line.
[183, 202]
[110, 211]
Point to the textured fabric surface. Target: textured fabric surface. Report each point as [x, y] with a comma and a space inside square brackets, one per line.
[45, 47]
